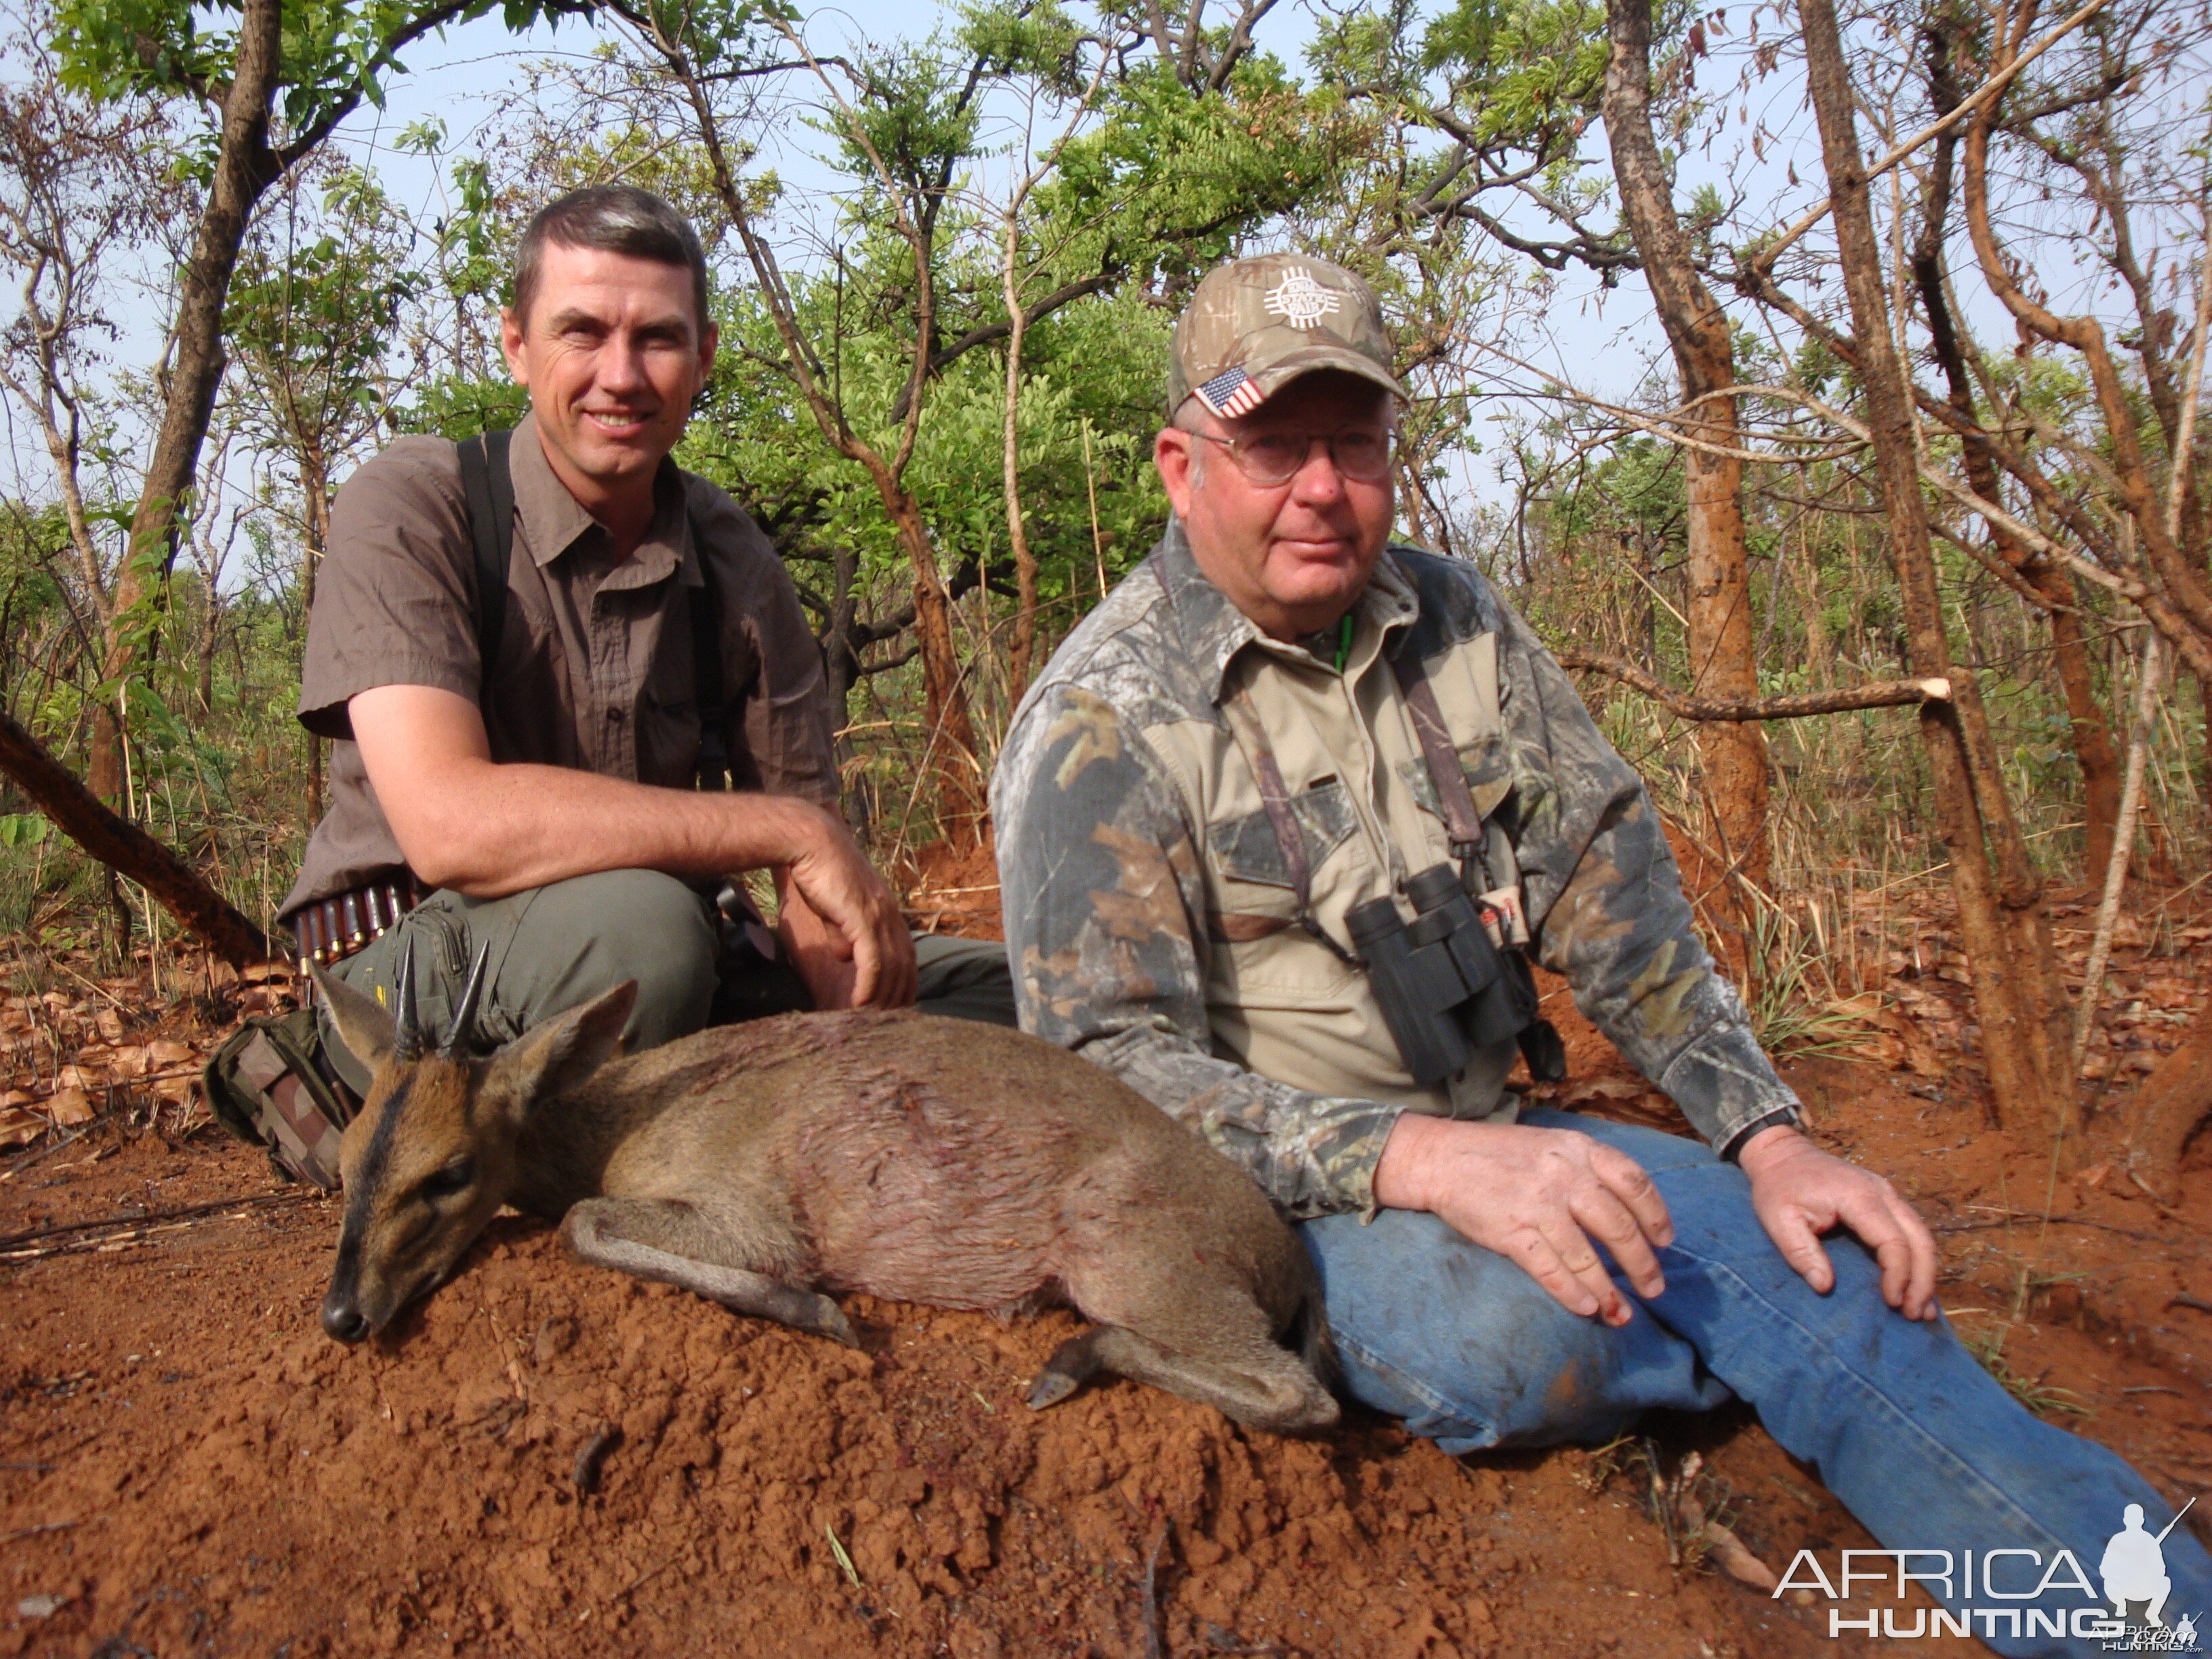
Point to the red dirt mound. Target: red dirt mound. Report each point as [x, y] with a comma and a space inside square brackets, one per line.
[552, 1460]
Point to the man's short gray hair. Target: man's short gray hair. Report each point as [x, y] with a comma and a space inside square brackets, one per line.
[613, 219]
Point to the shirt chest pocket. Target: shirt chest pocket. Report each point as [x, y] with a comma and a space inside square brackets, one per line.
[1250, 882]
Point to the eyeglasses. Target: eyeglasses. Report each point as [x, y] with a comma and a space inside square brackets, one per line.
[1273, 458]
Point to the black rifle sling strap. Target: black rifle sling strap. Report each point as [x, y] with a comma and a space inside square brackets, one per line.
[706, 600]
[488, 484]
[488, 487]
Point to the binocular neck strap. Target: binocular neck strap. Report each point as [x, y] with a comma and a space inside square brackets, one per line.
[1462, 821]
[1244, 724]
[1251, 739]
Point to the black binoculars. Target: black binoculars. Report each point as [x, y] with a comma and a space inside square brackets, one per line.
[1445, 987]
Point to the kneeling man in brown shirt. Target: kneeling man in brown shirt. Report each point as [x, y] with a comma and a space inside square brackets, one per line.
[531, 781]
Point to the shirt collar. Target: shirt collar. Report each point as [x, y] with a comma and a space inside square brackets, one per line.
[1214, 631]
[553, 520]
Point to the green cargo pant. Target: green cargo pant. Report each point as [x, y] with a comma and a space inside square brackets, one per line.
[553, 947]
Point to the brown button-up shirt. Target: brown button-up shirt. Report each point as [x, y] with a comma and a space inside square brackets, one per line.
[595, 668]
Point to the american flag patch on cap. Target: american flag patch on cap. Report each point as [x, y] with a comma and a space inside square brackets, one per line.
[1231, 393]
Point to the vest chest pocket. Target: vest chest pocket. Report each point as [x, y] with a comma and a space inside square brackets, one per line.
[1254, 896]
[1464, 679]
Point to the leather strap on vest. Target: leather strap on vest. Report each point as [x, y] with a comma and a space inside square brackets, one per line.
[1282, 818]
[1462, 821]
[1245, 725]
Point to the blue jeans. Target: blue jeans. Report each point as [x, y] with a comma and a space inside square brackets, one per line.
[1905, 1427]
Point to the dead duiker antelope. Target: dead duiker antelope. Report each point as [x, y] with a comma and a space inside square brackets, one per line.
[915, 1158]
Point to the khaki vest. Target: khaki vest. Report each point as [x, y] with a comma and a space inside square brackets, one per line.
[1280, 1003]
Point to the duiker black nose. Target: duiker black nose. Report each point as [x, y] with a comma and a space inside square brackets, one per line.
[342, 1320]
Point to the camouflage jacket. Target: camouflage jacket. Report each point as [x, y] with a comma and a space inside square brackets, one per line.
[1148, 932]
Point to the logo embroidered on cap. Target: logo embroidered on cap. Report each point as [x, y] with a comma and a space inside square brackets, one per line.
[1300, 300]
[1231, 393]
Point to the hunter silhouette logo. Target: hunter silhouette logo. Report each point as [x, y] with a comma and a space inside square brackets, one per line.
[1300, 300]
[2133, 1569]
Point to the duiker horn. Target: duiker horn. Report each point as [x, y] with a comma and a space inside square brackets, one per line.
[463, 1029]
[407, 1029]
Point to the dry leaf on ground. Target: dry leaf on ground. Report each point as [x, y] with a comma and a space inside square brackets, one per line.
[68, 1106]
[1894, 1041]
[1736, 1559]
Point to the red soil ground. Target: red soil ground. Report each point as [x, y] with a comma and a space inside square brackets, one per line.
[187, 1464]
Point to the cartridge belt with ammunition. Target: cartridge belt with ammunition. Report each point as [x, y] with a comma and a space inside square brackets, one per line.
[331, 930]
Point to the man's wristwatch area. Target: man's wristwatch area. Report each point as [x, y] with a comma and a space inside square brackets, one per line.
[1782, 1117]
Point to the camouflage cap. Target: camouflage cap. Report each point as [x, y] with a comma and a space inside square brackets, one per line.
[1255, 326]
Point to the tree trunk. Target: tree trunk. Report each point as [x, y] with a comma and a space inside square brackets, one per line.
[211, 642]
[2054, 591]
[2172, 1103]
[126, 849]
[952, 750]
[314, 482]
[243, 167]
[2085, 714]
[954, 754]
[841, 664]
[2014, 982]
[1723, 659]
[2179, 603]
[1018, 536]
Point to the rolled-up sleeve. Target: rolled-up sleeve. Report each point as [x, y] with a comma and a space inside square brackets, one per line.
[1101, 893]
[1605, 898]
[394, 594]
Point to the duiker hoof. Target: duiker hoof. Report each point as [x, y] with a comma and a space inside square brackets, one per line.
[834, 1325]
[1051, 1388]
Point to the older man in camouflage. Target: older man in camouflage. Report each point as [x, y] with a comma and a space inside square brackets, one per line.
[1280, 719]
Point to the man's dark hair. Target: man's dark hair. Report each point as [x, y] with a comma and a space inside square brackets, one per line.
[614, 219]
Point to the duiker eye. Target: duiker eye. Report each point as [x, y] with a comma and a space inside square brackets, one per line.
[460, 1173]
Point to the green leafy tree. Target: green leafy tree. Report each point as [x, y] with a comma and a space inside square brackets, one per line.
[1189, 147]
[313, 318]
[273, 82]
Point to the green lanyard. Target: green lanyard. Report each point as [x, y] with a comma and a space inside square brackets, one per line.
[1344, 642]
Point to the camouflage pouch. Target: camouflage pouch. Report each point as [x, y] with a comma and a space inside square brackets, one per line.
[266, 1085]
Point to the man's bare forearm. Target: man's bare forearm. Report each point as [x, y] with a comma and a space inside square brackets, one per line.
[470, 824]
[487, 829]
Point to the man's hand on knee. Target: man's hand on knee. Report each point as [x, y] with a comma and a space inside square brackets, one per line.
[1800, 1192]
[846, 936]
[1538, 1197]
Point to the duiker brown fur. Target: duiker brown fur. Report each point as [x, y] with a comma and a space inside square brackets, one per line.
[915, 1158]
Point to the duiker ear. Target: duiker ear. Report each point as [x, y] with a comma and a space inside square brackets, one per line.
[556, 1056]
[363, 1025]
